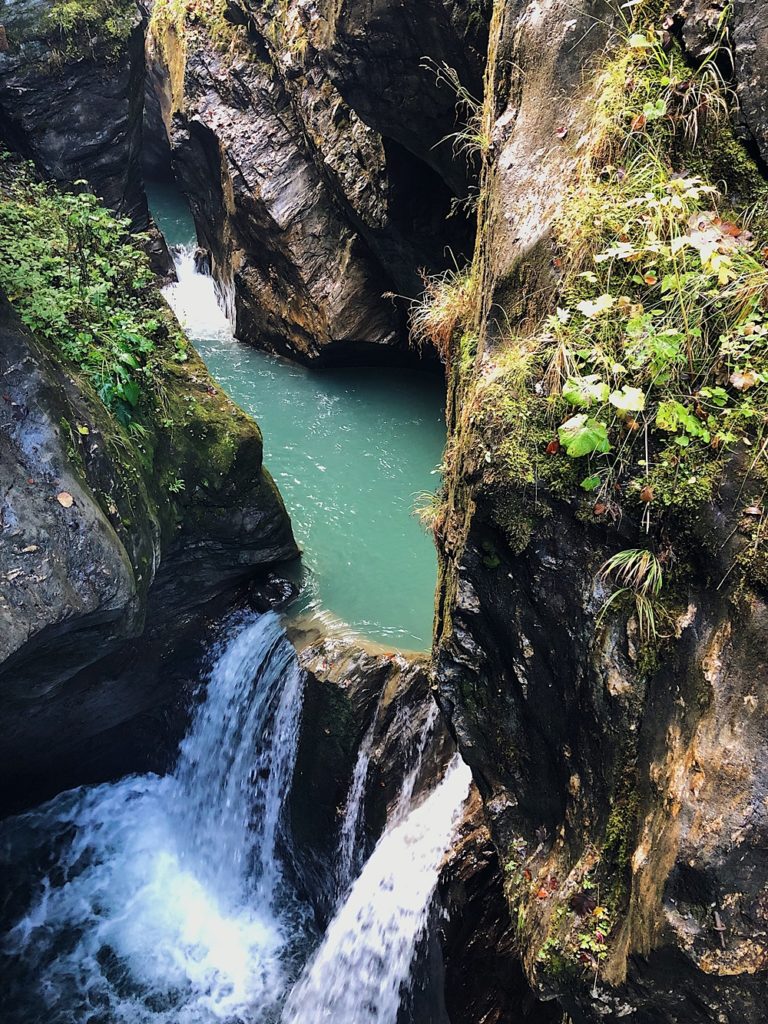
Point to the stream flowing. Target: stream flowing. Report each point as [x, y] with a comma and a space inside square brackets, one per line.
[165, 900]
[351, 451]
[160, 900]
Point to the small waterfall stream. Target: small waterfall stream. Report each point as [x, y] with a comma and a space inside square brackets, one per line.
[358, 973]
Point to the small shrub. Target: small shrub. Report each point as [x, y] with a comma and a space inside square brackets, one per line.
[83, 284]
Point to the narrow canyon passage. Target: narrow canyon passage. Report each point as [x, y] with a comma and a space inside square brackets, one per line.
[170, 900]
[383, 511]
[351, 450]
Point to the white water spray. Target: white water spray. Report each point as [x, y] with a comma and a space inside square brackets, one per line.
[194, 299]
[364, 961]
[153, 911]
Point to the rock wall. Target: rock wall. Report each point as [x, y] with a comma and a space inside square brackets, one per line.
[94, 544]
[72, 104]
[313, 209]
[354, 695]
[597, 763]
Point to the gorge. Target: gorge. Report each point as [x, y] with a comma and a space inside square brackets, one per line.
[443, 701]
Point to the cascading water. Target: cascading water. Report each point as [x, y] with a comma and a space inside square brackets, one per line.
[157, 899]
[358, 973]
[350, 851]
[194, 299]
[163, 900]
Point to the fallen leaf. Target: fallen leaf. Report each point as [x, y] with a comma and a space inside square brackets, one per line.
[753, 510]
[743, 381]
[600, 509]
[639, 122]
[542, 894]
[65, 499]
[728, 228]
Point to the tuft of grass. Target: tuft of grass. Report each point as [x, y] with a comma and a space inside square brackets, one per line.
[430, 509]
[447, 303]
[470, 138]
[640, 576]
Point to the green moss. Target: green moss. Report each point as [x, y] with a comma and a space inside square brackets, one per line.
[652, 369]
[71, 26]
[187, 18]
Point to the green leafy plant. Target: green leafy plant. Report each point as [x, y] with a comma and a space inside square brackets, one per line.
[84, 285]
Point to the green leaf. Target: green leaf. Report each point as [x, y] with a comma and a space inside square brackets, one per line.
[673, 416]
[582, 435]
[591, 483]
[628, 399]
[129, 390]
[585, 391]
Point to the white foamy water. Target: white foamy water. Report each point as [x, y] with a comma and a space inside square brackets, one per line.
[364, 961]
[349, 856]
[158, 900]
[194, 300]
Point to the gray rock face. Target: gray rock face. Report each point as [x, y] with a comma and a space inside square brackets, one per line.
[592, 761]
[91, 547]
[311, 208]
[68, 582]
[355, 696]
[347, 688]
[300, 277]
[700, 25]
[77, 116]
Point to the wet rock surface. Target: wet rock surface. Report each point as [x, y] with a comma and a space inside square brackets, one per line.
[76, 115]
[314, 211]
[93, 547]
[594, 761]
[349, 690]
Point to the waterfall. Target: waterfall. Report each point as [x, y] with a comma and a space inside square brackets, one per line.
[364, 961]
[349, 860]
[237, 761]
[194, 299]
[151, 902]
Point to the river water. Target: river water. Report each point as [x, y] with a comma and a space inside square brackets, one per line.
[350, 450]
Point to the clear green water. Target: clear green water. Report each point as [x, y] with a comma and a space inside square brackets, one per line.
[350, 451]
